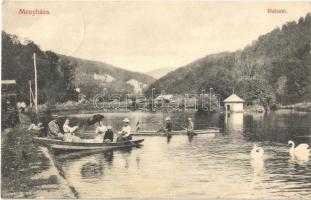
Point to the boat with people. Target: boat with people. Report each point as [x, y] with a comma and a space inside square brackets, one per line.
[65, 139]
[167, 130]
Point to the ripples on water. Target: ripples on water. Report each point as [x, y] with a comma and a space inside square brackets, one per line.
[201, 166]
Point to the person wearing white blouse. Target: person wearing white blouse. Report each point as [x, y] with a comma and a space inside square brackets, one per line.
[69, 135]
[101, 128]
[67, 128]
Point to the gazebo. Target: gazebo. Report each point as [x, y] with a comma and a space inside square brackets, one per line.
[234, 103]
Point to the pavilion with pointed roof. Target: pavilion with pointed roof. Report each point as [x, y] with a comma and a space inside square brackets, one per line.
[234, 103]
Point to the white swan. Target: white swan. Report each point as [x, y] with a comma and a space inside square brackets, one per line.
[257, 152]
[301, 152]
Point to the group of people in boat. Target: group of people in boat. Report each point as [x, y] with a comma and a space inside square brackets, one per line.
[168, 126]
[107, 134]
[67, 133]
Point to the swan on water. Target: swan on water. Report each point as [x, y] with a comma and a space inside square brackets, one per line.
[301, 152]
[257, 160]
[257, 152]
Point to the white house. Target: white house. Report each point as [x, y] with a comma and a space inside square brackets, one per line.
[164, 97]
[137, 86]
[104, 77]
[234, 103]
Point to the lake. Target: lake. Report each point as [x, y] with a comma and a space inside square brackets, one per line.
[203, 166]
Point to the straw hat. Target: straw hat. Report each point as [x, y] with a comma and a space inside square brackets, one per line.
[126, 120]
[167, 119]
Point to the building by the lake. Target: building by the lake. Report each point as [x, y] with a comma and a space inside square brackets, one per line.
[234, 103]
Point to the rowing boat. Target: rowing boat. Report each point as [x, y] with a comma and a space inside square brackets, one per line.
[209, 131]
[84, 144]
[59, 148]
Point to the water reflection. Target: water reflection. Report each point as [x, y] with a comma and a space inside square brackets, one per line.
[199, 166]
[108, 157]
[168, 139]
[190, 137]
[258, 166]
[92, 170]
[234, 121]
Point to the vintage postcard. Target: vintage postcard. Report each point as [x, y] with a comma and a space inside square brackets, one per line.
[155, 99]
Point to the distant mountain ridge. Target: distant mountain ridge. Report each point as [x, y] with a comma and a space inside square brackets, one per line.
[274, 68]
[96, 75]
[158, 73]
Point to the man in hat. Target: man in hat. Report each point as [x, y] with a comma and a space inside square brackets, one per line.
[54, 130]
[125, 133]
[108, 137]
[168, 126]
[190, 126]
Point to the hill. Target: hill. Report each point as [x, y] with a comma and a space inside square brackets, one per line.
[158, 73]
[274, 68]
[92, 76]
[59, 76]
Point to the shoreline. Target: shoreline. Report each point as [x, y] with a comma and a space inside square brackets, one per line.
[304, 106]
[249, 109]
[29, 171]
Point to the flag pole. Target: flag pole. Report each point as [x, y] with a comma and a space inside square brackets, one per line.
[36, 82]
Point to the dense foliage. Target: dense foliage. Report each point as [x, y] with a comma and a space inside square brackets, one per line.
[54, 76]
[274, 68]
[59, 76]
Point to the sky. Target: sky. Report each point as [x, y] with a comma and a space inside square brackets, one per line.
[143, 36]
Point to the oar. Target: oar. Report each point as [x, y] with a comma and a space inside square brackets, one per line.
[181, 127]
[137, 126]
[161, 129]
[214, 127]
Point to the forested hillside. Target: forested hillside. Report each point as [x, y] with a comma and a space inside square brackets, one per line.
[54, 76]
[59, 76]
[274, 68]
[92, 76]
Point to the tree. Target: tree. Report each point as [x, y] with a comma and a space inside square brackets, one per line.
[256, 91]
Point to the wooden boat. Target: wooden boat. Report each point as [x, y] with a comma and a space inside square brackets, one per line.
[60, 148]
[84, 144]
[209, 131]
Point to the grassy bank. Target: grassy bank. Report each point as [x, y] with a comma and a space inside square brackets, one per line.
[26, 170]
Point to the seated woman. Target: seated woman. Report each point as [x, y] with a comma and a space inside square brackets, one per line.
[101, 128]
[69, 129]
[35, 126]
[100, 131]
[108, 137]
[69, 135]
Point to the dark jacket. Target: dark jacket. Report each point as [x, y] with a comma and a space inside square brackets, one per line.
[168, 126]
[108, 135]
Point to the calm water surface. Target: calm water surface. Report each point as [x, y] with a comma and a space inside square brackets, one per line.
[203, 166]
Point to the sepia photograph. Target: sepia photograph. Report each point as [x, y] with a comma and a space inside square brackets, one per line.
[155, 99]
